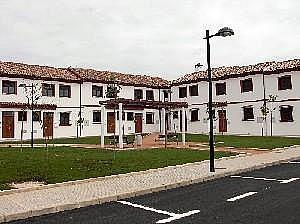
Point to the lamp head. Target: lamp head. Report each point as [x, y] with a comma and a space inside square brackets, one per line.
[22, 85]
[225, 31]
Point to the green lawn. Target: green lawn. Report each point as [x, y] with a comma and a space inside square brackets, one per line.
[82, 140]
[64, 164]
[246, 141]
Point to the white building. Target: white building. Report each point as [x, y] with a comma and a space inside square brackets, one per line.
[68, 101]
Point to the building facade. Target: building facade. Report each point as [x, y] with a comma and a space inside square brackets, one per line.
[261, 99]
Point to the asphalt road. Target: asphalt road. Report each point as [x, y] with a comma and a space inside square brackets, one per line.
[270, 195]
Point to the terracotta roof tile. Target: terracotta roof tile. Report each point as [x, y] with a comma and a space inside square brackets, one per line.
[234, 71]
[21, 70]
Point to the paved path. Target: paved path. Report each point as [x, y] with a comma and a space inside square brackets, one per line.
[55, 198]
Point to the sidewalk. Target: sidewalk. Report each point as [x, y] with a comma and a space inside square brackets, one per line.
[23, 203]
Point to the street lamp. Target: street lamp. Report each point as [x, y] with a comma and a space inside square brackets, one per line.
[166, 111]
[31, 107]
[224, 32]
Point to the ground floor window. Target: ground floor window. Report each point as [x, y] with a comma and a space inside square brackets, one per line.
[149, 118]
[96, 116]
[286, 114]
[65, 119]
[175, 115]
[248, 113]
[195, 115]
[130, 116]
[22, 116]
[36, 116]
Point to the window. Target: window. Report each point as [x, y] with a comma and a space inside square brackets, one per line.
[166, 94]
[248, 113]
[48, 89]
[284, 82]
[64, 91]
[149, 118]
[22, 116]
[220, 89]
[149, 95]
[65, 119]
[97, 91]
[246, 85]
[175, 115]
[138, 94]
[130, 116]
[194, 115]
[194, 90]
[182, 92]
[286, 114]
[96, 116]
[9, 87]
[36, 116]
[123, 115]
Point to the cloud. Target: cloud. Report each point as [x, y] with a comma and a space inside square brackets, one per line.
[147, 37]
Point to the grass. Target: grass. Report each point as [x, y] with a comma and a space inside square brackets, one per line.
[82, 140]
[64, 164]
[266, 142]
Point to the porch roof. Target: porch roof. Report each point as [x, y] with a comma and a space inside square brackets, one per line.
[129, 104]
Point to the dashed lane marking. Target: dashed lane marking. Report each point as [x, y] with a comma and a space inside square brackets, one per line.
[268, 179]
[173, 216]
[294, 162]
[242, 196]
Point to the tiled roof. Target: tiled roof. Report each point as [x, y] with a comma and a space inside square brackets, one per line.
[237, 71]
[124, 79]
[20, 70]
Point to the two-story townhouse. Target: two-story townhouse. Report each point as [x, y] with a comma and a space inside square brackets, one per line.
[36, 99]
[240, 94]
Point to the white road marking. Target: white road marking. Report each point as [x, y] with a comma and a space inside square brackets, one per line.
[242, 196]
[293, 162]
[173, 216]
[268, 179]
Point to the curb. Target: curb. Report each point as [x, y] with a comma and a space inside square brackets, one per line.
[76, 205]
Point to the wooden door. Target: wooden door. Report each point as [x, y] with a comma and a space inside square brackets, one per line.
[48, 124]
[111, 124]
[222, 121]
[8, 124]
[138, 123]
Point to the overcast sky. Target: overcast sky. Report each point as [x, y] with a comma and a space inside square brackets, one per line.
[154, 37]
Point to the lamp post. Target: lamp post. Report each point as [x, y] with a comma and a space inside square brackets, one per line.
[224, 32]
[166, 112]
[31, 107]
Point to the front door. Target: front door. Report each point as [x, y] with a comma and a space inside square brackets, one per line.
[138, 122]
[222, 121]
[8, 124]
[48, 124]
[111, 125]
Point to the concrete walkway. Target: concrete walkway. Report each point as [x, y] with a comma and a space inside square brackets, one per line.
[23, 203]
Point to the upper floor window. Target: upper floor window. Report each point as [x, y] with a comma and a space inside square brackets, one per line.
[286, 114]
[182, 92]
[96, 116]
[166, 94]
[138, 94]
[246, 85]
[48, 89]
[194, 90]
[195, 115]
[149, 118]
[9, 87]
[64, 119]
[64, 91]
[284, 82]
[149, 95]
[221, 88]
[248, 113]
[97, 91]
[22, 116]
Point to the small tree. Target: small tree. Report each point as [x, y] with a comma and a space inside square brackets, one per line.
[113, 90]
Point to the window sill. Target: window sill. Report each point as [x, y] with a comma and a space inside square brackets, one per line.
[287, 121]
[65, 125]
[249, 120]
[96, 123]
[195, 120]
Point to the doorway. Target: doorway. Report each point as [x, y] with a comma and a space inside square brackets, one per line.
[222, 121]
[111, 124]
[138, 122]
[8, 124]
[48, 124]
